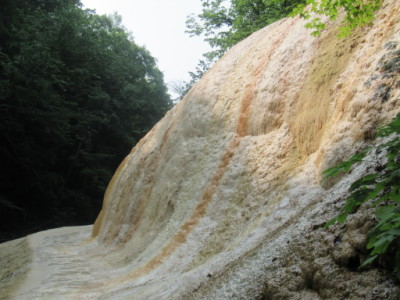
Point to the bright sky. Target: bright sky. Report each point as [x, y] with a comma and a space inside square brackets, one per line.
[159, 25]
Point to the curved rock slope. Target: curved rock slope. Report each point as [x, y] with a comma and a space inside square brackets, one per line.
[223, 199]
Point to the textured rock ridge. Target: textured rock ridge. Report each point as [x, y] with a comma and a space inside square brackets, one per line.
[223, 198]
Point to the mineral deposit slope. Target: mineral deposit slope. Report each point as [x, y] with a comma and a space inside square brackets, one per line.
[223, 198]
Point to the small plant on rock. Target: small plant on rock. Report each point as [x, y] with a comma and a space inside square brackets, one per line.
[381, 191]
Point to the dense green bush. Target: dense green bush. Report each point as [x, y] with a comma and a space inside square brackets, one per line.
[76, 93]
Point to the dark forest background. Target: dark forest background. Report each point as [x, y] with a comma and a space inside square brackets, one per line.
[76, 94]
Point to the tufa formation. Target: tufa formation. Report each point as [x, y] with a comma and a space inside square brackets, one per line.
[223, 198]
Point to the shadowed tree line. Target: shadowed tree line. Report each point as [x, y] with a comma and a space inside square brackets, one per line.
[76, 93]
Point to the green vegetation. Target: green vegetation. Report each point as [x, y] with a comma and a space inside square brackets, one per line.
[357, 13]
[225, 23]
[379, 190]
[76, 93]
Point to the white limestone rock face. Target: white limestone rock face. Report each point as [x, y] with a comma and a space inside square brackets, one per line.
[223, 199]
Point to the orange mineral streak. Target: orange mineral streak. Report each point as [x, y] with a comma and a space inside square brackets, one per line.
[242, 126]
[188, 226]
[312, 117]
[134, 217]
[211, 188]
[230, 174]
[249, 93]
[142, 203]
[200, 210]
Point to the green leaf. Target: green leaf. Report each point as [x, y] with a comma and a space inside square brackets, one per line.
[393, 233]
[340, 219]
[368, 261]
[356, 13]
[369, 179]
[345, 165]
[379, 187]
[386, 212]
[330, 222]
[381, 245]
[332, 172]
[392, 127]
[357, 198]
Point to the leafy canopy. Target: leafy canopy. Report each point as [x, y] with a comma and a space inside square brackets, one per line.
[357, 13]
[224, 23]
[76, 93]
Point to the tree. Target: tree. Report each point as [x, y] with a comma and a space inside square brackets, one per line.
[225, 23]
[76, 93]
